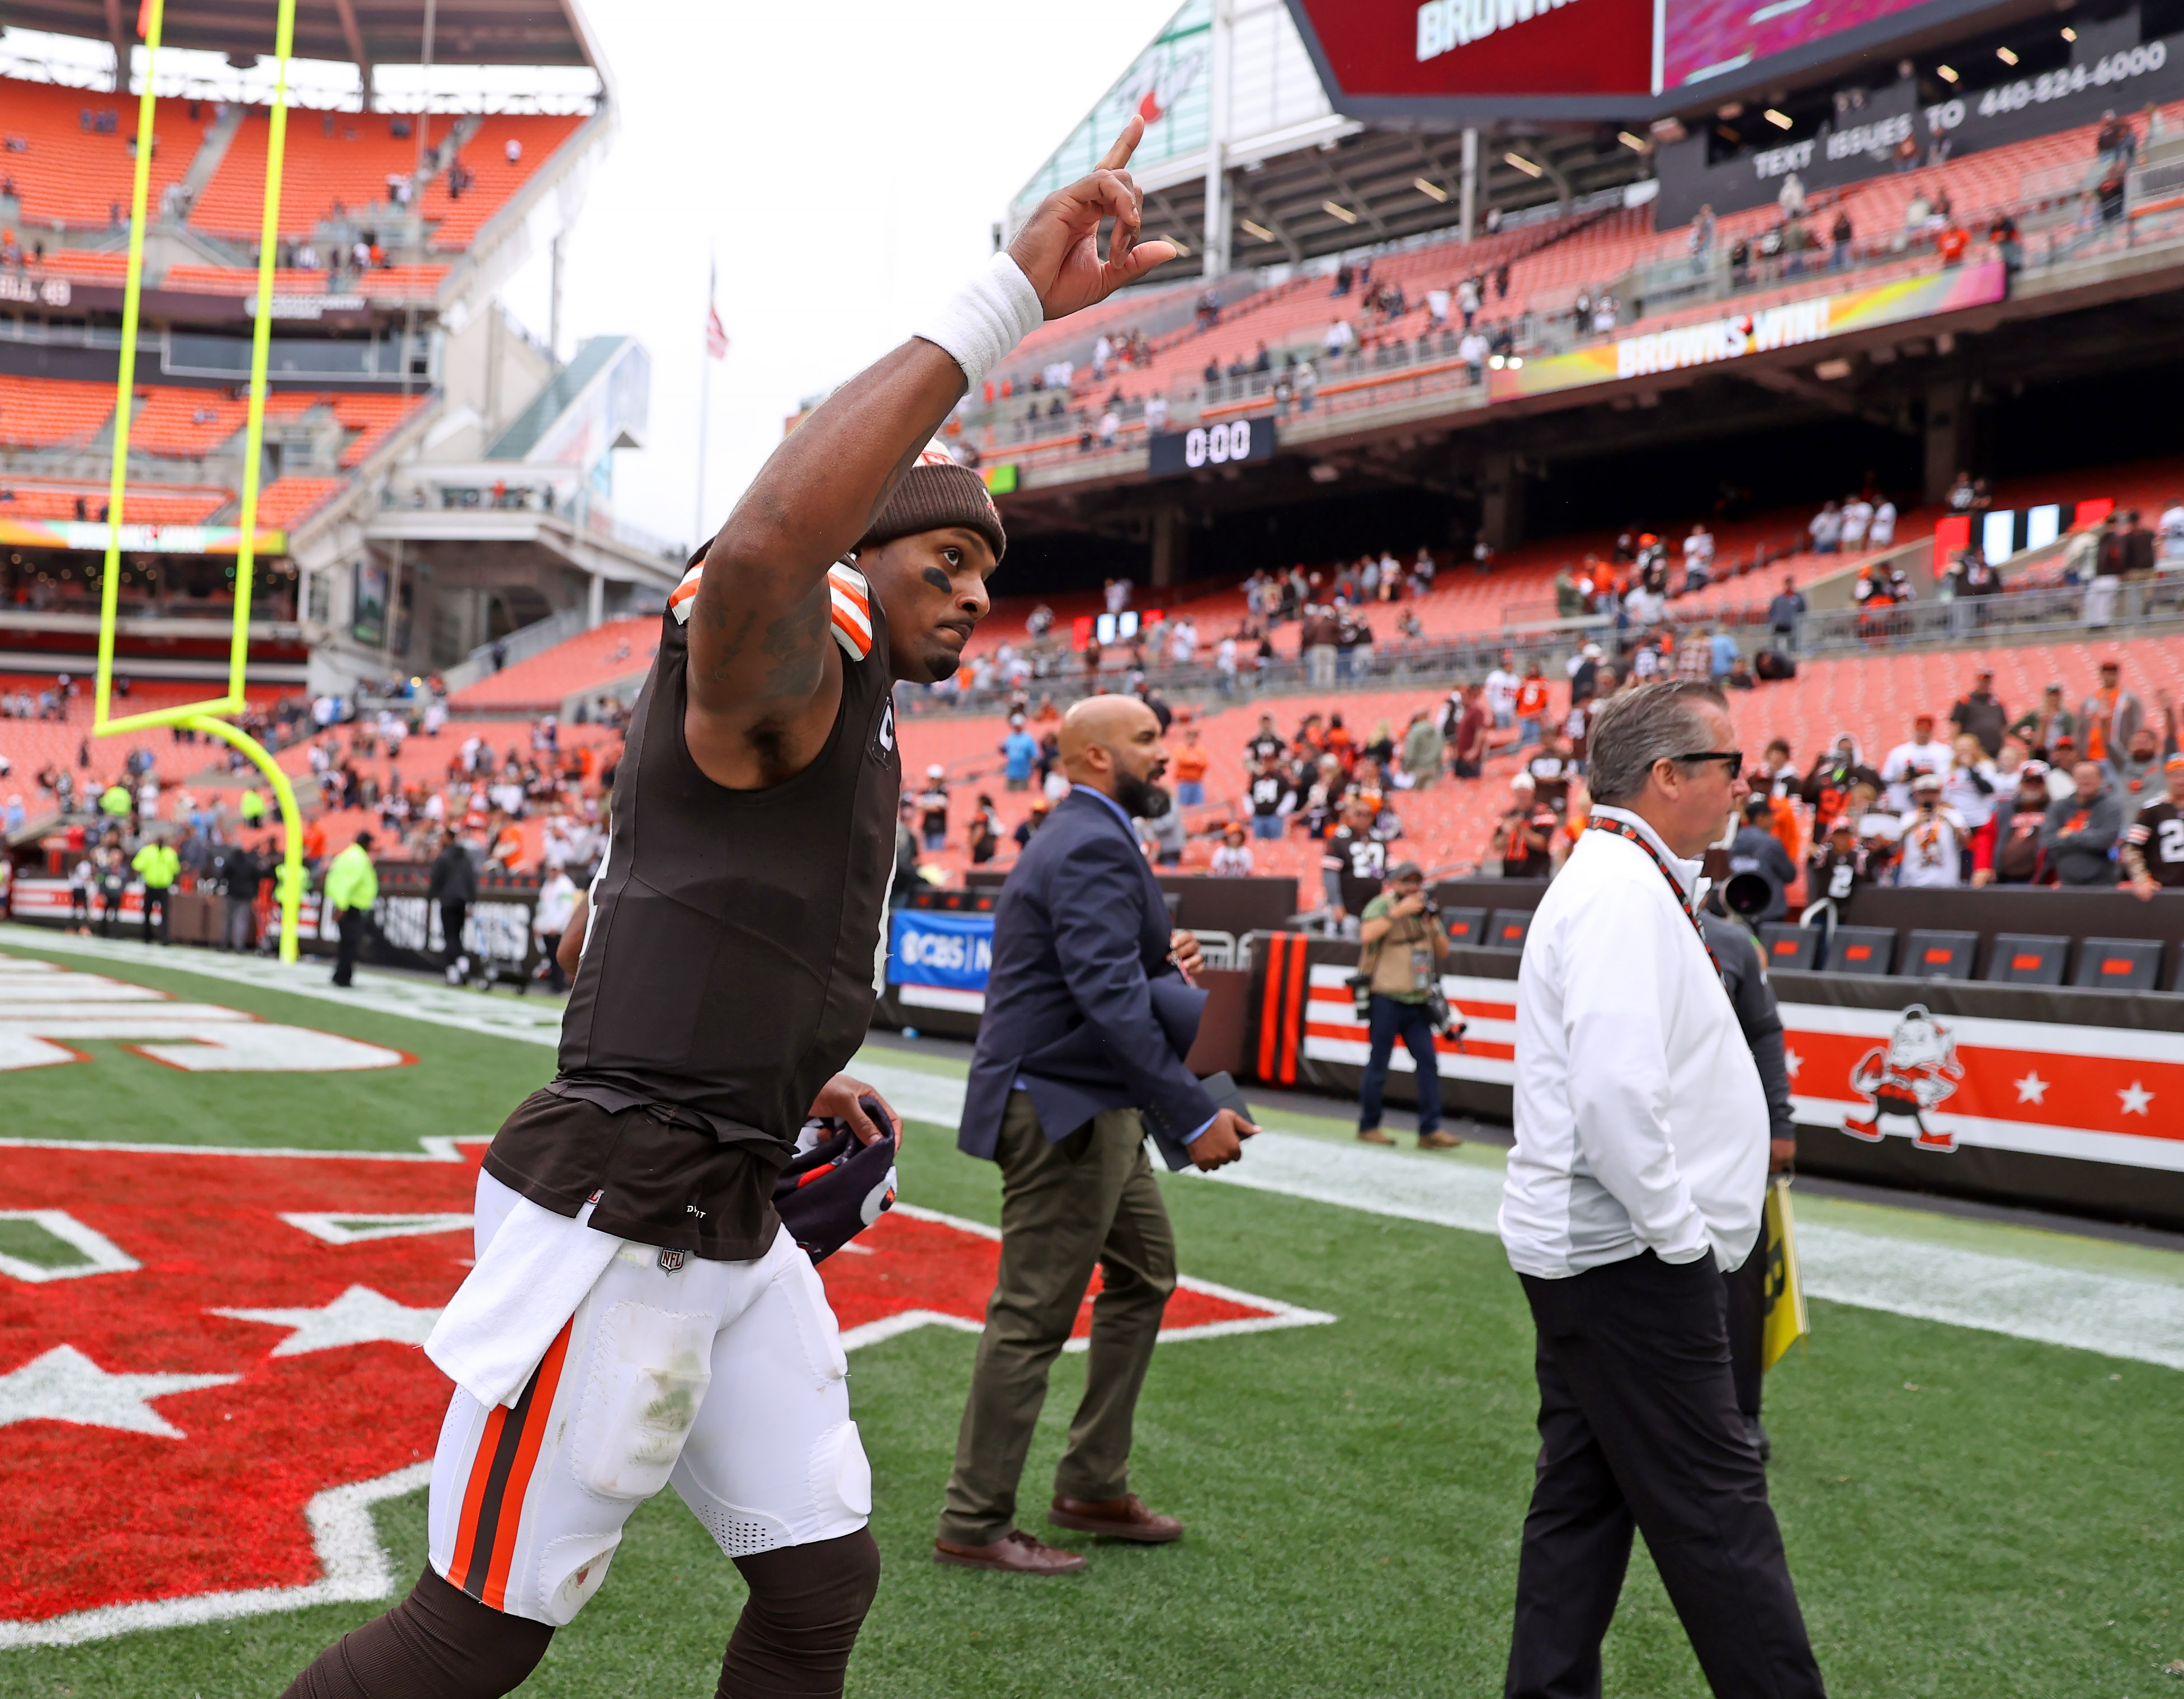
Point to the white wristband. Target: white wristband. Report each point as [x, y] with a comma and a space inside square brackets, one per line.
[990, 316]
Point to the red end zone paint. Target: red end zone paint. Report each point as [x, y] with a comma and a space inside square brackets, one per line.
[100, 1515]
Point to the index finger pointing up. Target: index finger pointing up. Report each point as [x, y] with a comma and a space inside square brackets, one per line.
[1125, 145]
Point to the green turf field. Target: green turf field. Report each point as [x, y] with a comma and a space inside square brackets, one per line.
[1967, 1513]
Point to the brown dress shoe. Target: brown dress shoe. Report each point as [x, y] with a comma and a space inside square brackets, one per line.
[1123, 1518]
[1438, 1141]
[1015, 1552]
[1373, 1135]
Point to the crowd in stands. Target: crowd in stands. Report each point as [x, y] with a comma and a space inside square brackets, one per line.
[2073, 789]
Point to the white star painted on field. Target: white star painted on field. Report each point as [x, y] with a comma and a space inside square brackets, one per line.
[64, 1385]
[359, 1316]
[2032, 1089]
[1792, 1061]
[2134, 1098]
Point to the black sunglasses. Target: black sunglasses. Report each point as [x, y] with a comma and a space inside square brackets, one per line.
[1734, 757]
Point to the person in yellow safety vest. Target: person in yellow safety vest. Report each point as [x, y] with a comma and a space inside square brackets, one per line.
[352, 886]
[254, 809]
[158, 867]
[116, 802]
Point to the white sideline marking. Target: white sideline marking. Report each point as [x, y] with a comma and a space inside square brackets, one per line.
[343, 1537]
[535, 1022]
[2117, 1316]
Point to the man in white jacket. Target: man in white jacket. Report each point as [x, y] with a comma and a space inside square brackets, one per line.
[1638, 1175]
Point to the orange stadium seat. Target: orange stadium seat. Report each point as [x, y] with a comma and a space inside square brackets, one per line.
[68, 175]
[497, 178]
[399, 283]
[589, 661]
[89, 265]
[287, 500]
[344, 159]
[142, 504]
[184, 422]
[51, 412]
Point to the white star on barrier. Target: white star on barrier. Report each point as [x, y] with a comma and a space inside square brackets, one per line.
[359, 1316]
[2032, 1089]
[1792, 1061]
[2134, 1098]
[64, 1385]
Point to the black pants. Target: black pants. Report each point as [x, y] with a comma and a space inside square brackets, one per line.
[155, 898]
[452, 916]
[351, 922]
[1639, 1427]
[1746, 1292]
[550, 946]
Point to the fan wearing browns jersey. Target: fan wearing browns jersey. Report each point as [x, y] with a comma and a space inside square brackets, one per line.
[637, 1317]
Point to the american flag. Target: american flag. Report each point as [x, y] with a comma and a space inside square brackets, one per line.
[717, 334]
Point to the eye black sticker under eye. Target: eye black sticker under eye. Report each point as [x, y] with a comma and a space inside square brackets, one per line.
[937, 579]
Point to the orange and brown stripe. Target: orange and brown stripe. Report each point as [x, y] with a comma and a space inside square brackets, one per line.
[499, 1479]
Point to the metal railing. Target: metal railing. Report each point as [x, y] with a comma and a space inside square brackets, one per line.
[1987, 618]
[1386, 666]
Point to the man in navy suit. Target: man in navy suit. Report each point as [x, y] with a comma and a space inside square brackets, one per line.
[1089, 1014]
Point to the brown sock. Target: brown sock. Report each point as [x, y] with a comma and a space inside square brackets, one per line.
[806, 1604]
[439, 1643]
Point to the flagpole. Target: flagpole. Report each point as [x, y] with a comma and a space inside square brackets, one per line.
[705, 401]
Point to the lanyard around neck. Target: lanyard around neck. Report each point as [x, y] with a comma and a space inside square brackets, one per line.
[1599, 824]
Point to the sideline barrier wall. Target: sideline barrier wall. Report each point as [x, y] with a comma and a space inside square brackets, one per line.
[2049, 1096]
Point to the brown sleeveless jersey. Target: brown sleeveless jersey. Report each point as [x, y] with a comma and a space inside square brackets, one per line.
[729, 964]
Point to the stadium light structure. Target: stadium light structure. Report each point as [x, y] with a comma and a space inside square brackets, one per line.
[206, 717]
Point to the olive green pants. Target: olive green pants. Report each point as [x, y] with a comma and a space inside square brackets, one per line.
[1087, 1199]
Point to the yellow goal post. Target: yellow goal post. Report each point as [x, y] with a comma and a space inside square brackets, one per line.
[210, 716]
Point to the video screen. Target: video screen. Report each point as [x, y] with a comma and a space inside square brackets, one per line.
[1704, 39]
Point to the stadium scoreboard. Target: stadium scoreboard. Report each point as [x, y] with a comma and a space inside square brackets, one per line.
[1228, 442]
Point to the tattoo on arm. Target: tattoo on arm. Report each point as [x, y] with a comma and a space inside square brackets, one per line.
[797, 643]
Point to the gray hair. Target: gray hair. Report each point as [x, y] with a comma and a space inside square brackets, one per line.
[1639, 727]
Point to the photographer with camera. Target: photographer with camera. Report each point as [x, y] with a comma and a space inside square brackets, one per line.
[1934, 839]
[1757, 853]
[1398, 986]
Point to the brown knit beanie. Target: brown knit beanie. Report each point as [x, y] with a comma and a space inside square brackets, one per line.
[933, 494]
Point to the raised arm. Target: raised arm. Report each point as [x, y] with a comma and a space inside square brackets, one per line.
[764, 679]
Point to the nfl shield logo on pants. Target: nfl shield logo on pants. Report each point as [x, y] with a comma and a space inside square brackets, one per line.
[670, 1260]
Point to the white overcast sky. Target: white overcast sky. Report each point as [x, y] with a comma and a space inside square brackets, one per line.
[846, 162]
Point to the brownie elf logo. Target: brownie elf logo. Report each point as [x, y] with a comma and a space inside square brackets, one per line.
[1914, 1072]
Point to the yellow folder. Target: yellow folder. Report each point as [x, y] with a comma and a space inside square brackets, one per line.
[1786, 1320]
